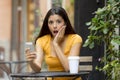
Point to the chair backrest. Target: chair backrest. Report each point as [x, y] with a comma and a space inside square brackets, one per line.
[85, 63]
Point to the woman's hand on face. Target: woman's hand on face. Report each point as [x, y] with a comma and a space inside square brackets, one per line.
[60, 35]
[30, 56]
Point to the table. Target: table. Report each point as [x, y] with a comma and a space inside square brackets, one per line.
[46, 74]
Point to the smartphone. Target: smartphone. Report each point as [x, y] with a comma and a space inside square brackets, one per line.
[29, 45]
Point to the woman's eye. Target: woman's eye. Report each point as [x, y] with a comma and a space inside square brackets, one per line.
[58, 21]
[50, 22]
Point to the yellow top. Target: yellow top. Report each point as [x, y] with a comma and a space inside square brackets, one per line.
[53, 63]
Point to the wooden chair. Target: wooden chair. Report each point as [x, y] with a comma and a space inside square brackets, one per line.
[86, 64]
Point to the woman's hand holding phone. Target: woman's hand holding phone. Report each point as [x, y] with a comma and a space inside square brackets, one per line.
[30, 56]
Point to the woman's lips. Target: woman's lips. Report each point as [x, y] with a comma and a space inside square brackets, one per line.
[55, 32]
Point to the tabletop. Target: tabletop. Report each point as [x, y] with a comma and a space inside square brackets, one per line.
[49, 74]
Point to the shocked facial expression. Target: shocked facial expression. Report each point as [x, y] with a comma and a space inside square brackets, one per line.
[55, 23]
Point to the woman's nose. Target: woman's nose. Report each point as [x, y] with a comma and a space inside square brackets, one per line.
[55, 25]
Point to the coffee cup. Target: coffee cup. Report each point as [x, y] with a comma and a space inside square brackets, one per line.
[73, 63]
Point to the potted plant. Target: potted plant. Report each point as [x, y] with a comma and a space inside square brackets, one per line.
[105, 28]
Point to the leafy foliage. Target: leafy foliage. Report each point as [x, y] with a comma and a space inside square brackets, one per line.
[104, 27]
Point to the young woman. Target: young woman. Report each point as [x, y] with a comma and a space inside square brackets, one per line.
[55, 42]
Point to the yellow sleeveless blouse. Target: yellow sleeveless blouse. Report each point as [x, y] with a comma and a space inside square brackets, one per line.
[53, 63]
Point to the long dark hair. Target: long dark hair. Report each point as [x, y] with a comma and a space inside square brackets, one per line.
[61, 12]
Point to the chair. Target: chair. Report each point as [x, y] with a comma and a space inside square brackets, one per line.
[3, 67]
[86, 64]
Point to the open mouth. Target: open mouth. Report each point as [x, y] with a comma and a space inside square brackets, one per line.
[55, 32]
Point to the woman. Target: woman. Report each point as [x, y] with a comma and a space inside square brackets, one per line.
[55, 42]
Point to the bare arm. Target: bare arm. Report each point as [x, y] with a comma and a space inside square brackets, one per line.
[35, 58]
[75, 50]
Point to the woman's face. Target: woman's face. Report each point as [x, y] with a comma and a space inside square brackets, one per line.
[55, 22]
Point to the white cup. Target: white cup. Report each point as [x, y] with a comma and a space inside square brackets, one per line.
[73, 63]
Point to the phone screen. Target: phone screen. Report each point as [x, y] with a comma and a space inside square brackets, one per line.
[29, 45]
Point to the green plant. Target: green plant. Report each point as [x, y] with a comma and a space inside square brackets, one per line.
[104, 28]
